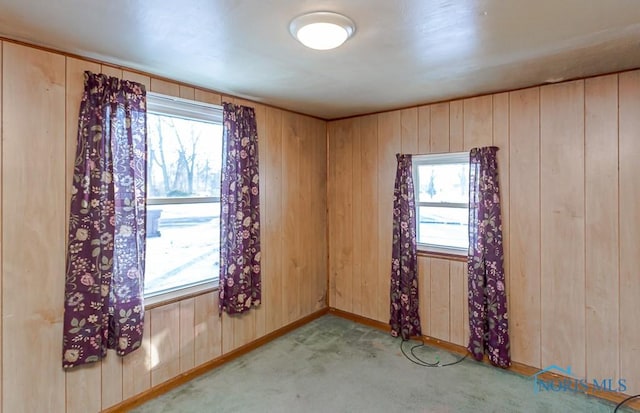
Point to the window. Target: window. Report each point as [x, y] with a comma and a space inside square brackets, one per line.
[442, 202]
[184, 148]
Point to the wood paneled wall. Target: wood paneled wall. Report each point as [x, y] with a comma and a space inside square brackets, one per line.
[570, 184]
[41, 94]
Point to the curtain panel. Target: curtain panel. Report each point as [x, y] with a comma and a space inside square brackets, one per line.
[488, 321]
[106, 239]
[405, 318]
[240, 284]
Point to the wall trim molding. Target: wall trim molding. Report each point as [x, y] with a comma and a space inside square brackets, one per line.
[516, 367]
[189, 375]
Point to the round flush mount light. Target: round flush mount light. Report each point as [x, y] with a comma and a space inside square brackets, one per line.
[322, 30]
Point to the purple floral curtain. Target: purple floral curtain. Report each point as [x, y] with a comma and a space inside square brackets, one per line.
[489, 327]
[240, 285]
[106, 244]
[405, 320]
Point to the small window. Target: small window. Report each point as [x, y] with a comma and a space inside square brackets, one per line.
[442, 202]
[184, 147]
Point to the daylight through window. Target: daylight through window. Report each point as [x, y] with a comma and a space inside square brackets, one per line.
[442, 202]
[184, 146]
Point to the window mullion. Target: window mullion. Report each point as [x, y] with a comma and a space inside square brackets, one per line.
[442, 204]
[183, 200]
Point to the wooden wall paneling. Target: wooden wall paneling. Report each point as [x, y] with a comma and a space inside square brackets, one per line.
[389, 144]
[340, 218]
[440, 128]
[524, 221]
[357, 296]
[33, 143]
[187, 334]
[368, 189]
[562, 225]
[245, 329]
[207, 328]
[306, 224]
[320, 214]
[136, 366]
[111, 379]
[456, 125]
[439, 299]
[291, 216]
[332, 211]
[457, 302]
[629, 141]
[501, 140]
[424, 294]
[77, 389]
[409, 131]
[466, 329]
[261, 312]
[424, 129]
[111, 71]
[266, 278]
[601, 214]
[165, 343]
[164, 87]
[228, 335]
[186, 92]
[478, 122]
[207, 97]
[273, 236]
[87, 379]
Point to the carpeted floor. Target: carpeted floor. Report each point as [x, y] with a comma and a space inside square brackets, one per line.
[335, 365]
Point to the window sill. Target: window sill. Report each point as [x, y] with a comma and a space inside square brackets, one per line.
[442, 255]
[181, 294]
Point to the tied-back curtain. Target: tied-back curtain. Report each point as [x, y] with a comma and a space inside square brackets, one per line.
[405, 319]
[240, 285]
[489, 327]
[106, 240]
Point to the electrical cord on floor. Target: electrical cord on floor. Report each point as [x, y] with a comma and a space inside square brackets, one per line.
[417, 360]
[625, 401]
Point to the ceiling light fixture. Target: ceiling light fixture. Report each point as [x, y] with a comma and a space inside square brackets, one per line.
[322, 30]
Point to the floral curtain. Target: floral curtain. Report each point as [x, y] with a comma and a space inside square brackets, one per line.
[106, 243]
[489, 327]
[240, 285]
[405, 320]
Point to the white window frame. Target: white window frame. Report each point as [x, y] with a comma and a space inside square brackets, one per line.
[164, 105]
[436, 159]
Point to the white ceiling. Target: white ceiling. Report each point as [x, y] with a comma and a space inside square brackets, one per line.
[403, 53]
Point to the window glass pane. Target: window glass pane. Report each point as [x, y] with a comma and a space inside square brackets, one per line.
[444, 183]
[443, 226]
[184, 161]
[183, 245]
[184, 157]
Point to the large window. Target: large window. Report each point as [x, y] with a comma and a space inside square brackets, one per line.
[442, 202]
[184, 150]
